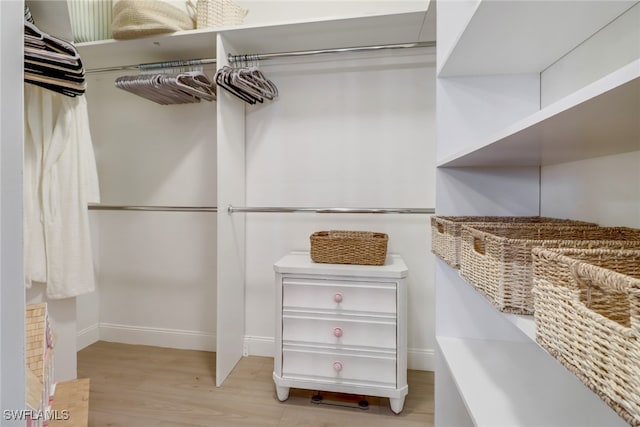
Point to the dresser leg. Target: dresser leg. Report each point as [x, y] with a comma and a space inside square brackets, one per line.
[396, 404]
[282, 392]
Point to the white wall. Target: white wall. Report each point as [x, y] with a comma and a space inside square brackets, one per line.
[605, 190]
[12, 297]
[612, 47]
[156, 270]
[346, 131]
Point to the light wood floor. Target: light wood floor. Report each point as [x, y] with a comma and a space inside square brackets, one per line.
[133, 385]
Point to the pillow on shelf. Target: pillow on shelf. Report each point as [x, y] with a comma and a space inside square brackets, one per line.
[139, 18]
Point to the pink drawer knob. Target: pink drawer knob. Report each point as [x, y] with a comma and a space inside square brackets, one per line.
[337, 366]
[337, 332]
[337, 297]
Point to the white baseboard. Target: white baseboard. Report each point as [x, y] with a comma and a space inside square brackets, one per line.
[258, 346]
[88, 336]
[418, 359]
[421, 359]
[160, 337]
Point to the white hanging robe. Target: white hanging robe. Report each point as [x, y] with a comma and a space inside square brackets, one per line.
[60, 179]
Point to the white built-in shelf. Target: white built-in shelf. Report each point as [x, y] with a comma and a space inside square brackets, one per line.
[523, 36]
[517, 384]
[525, 322]
[600, 119]
[181, 45]
[273, 38]
[336, 33]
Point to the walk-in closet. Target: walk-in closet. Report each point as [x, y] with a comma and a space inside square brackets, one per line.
[199, 200]
[221, 150]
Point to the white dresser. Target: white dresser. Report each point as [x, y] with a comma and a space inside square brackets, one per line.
[341, 328]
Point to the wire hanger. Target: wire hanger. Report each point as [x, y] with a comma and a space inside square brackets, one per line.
[246, 82]
[167, 83]
[52, 63]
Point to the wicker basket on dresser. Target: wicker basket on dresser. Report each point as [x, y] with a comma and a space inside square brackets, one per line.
[341, 328]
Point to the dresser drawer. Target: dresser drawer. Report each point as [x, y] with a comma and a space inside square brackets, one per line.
[339, 368]
[378, 297]
[340, 330]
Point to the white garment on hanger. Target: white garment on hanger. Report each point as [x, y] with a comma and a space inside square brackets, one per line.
[60, 179]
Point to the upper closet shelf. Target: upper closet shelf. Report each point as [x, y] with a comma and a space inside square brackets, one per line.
[181, 45]
[511, 37]
[336, 33]
[601, 119]
[321, 34]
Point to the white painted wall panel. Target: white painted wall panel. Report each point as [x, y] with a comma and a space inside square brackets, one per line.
[12, 296]
[158, 273]
[149, 153]
[472, 109]
[156, 270]
[231, 228]
[347, 131]
[605, 190]
[614, 46]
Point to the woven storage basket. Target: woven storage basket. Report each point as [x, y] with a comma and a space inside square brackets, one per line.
[90, 19]
[587, 314]
[349, 247]
[445, 231]
[219, 13]
[496, 259]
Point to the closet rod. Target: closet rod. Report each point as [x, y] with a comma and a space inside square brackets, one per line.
[154, 208]
[154, 65]
[280, 209]
[262, 56]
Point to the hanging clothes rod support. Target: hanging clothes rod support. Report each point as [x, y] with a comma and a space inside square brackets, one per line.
[156, 65]
[262, 56]
[154, 208]
[234, 209]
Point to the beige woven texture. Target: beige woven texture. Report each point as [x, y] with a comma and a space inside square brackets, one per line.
[445, 231]
[219, 13]
[140, 18]
[38, 353]
[496, 259]
[349, 247]
[587, 314]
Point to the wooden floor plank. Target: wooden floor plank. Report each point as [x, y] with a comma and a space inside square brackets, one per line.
[134, 385]
[71, 404]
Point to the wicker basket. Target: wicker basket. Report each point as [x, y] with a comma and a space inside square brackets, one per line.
[219, 13]
[587, 314]
[90, 19]
[496, 259]
[349, 247]
[445, 231]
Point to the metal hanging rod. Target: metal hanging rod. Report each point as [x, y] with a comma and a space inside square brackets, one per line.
[262, 56]
[280, 209]
[259, 57]
[156, 65]
[154, 208]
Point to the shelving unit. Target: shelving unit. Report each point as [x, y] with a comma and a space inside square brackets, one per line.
[409, 27]
[570, 129]
[490, 38]
[495, 146]
[286, 37]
